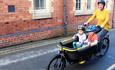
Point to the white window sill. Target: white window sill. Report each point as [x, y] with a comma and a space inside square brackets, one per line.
[79, 14]
[40, 14]
[83, 12]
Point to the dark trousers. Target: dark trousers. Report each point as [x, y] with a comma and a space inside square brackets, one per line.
[101, 32]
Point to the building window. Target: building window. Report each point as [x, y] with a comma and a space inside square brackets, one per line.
[11, 8]
[39, 4]
[40, 9]
[84, 7]
[78, 4]
[88, 4]
[109, 4]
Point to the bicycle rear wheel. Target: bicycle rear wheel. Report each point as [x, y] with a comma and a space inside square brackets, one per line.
[105, 47]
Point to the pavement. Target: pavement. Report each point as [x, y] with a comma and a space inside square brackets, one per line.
[30, 45]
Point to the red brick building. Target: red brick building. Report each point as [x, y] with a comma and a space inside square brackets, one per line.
[30, 20]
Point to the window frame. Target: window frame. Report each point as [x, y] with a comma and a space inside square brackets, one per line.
[11, 8]
[78, 5]
[40, 4]
[41, 13]
[87, 11]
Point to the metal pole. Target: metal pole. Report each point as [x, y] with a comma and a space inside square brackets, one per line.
[113, 14]
[65, 18]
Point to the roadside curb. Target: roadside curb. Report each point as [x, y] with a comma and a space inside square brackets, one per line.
[31, 45]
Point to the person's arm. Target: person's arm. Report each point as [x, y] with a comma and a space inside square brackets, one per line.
[107, 18]
[74, 36]
[92, 17]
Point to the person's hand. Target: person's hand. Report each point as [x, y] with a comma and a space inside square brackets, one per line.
[86, 23]
[89, 43]
[102, 26]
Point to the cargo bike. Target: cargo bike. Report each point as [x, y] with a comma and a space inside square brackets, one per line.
[67, 54]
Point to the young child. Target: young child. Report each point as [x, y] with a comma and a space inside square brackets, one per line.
[92, 39]
[80, 37]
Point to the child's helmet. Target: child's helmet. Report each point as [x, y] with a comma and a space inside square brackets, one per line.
[81, 27]
[92, 28]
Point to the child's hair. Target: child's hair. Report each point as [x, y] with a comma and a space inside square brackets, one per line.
[102, 2]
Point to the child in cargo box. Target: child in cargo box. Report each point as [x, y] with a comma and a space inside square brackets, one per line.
[80, 37]
[92, 39]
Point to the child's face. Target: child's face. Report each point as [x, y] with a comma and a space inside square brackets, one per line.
[80, 32]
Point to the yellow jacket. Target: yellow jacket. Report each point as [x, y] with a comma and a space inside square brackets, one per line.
[102, 17]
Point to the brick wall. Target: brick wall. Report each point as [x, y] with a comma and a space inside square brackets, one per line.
[21, 13]
[18, 27]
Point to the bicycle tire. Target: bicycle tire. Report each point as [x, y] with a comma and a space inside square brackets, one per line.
[63, 63]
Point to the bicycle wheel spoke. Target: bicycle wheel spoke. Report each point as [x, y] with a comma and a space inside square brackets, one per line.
[56, 64]
[104, 47]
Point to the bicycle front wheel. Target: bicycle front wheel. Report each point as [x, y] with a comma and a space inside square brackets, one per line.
[57, 63]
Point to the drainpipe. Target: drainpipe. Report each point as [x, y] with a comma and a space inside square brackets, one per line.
[113, 14]
[65, 18]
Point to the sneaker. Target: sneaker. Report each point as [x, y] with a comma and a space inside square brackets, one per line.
[82, 62]
[98, 55]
